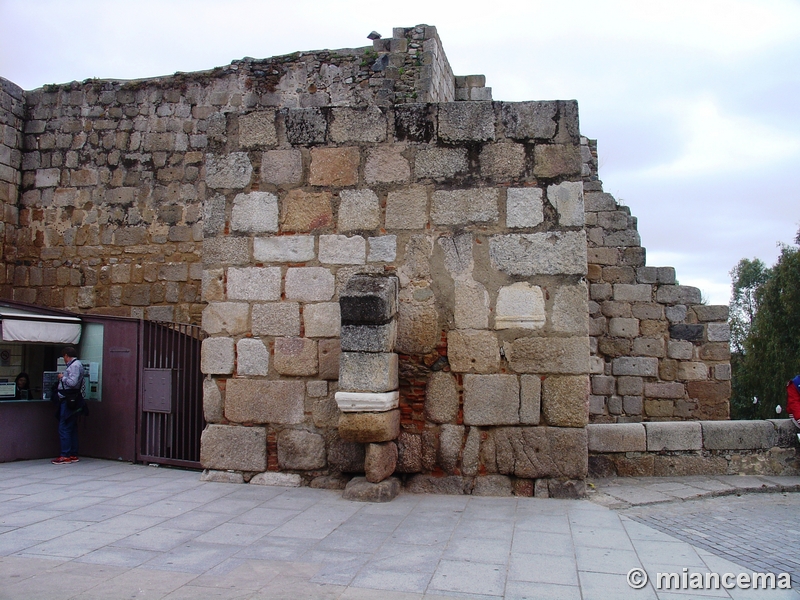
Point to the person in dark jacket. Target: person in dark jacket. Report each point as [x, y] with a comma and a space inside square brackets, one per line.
[70, 400]
[23, 391]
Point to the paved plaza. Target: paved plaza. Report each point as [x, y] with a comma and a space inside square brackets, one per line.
[105, 530]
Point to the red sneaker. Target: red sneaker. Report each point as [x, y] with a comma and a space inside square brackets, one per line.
[74, 459]
[61, 460]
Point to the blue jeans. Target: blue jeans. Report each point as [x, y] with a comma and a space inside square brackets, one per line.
[68, 430]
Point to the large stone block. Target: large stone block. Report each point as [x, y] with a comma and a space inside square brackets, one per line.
[682, 466]
[520, 305]
[362, 124]
[226, 251]
[407, 208]
[707, 313]
[491, 400]
[441, 398]
[369, 427]
[690, 333]
[256, 212]
[712, 392]
[367, 401]
[552, 253]
[380, 461]
[346, 457]
[466, 121]
[224, 447]
[418, 329]
[382, 248]
[530, 399]
[369, 338]
[542, 452]
[257, 129]
[369, 300]
[617, 437]
[310, 284]
[295, 356]
[692, 371]
[635, 365]
[226, 317]
[252, 357]
[569, 356]
[565, 401]
[277, 479]
[529, 120]
[305, 126]
[282, 167]
[623, 327]
[306, 211]
[409, 453]
[473, 351]
[263, 401]
[571, 309]
[342, 250]
[212, 402]
[254, 283]
[567, 199]
[678, 294]
[276, 318]
[440, 163]
[674, 436]
[738, 435]
[471, 305]
[502, 162]
[386, 164]
[230, 171]
[433, 484]
[464, 207]
[718, 332]
[216, 356]
[284, 248]
[556, 160]
[451, 438]
[359, 489]
[301, 450]
[367, 372]
[329, 355]
[322, 320]
[359, 210]
[334, 167]
[524, 207]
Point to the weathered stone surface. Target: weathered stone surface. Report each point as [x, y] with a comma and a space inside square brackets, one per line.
[295, 356]
[309, 284]
[623, 327]
[359, 210]
[370, 427]
[252, 357]
[257, 129]
[334, 167]
[346, 457]
[672, 436]
[552, 253]
[738, 435]
[382, 248]
[463, 207]
[491, 400]
[556, 160]
[256, 212]
[221, 477]
[380, 461]
[566, 489]
[306, 126]
[276, 318]
[466, 121]
[277, 479]
[567, 199]
[329, 482]
[692, 333]
[368, 372]
[520, 305]
[535, 452]
[291, 249]
[664, 390]
[524, 207]
[530, 399]
[299, 449]
[212, 402]
[441, 398]
[362, 124]
[451, 438]
[306, 211]
[322, 320]
[692, 371]
[473, 351]
[226, 251]
[529, 120]
[471, 453]
[678, 294]
[679, 466]
[634, 365]
[324, 412]
[570, 309]
[369, 338]
[226, 317]
[718, 332]
[440, 163]
[502, 162]
[386, 164]
[617, 437]
[342, 250]
[262, 401]
[368, 300]
[471, 305]
[549, 355]
[493, 485]
[229, 171]
[785, 433]
[407, 208]
[707, 313]
[430, 484]
[282, 167]
[409, 448]
[565, 401]
[360, 490]
[329, 354]
[224, 447]
[216, 356]
[254, 283]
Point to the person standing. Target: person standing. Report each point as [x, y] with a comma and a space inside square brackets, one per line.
[70, 399]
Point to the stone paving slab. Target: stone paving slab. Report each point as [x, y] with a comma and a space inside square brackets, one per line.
[131, 531]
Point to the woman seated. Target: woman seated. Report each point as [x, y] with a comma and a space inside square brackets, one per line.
[23, 391]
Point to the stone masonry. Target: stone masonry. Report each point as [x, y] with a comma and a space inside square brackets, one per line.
[247, 197]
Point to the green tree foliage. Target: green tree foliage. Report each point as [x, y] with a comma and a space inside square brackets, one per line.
[765, 333]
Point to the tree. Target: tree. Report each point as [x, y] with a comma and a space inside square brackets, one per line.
[765, 333]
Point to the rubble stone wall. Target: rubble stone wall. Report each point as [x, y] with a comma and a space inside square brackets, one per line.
[12, 119]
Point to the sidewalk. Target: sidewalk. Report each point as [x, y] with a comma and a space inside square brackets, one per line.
[106, 530]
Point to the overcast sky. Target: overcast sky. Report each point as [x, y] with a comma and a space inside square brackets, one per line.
[695, 103]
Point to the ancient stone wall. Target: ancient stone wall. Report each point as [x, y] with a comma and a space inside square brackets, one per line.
[659, 353]
[12, 119]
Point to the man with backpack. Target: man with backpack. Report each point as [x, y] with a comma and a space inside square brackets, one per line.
[70, 400]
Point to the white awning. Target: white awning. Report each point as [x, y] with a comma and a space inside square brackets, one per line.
[19, 325]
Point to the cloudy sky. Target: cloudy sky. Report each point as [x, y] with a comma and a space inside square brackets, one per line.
[695, 103]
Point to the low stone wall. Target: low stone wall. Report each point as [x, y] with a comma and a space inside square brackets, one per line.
[663, 449]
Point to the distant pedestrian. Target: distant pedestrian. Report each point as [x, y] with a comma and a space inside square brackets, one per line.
[71, 402]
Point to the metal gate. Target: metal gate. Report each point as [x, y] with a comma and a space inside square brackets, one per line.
[170, 394]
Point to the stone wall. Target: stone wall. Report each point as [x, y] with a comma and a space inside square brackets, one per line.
[659, 353]
[694, 448]
[12, 118]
